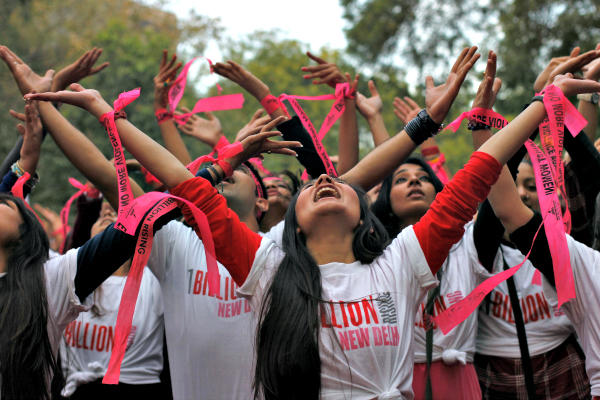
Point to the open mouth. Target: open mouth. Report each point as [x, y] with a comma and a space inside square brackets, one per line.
[416, 193]
[326, 191]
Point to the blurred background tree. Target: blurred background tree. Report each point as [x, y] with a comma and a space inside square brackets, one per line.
[394, 42]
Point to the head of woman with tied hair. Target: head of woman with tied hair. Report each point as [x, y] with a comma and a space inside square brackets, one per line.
[288, 365]
[26, 357]
[406, 195]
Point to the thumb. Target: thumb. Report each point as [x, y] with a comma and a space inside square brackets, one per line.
[76, 87]
[21, 129]
[429, 82]
[210, 116]
[49, 74]
[373, 89]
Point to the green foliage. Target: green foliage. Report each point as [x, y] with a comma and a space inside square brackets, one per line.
[53, 34]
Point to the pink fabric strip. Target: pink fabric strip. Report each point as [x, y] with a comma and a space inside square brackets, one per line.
[17, 191]
[437, 166]
[64, 212]
[216, 103]
[460, 311]
[146, 210]
[483, 115]
[221, 143]
[553, 224]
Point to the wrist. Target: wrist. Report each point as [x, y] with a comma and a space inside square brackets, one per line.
[99, 107]
[374, 118]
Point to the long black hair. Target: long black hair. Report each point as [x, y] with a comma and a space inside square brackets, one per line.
[26, 358]
[288, 365]
[382, 207]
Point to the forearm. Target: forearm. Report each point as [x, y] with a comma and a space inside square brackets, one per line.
[378, 129]
[348, 138]
[155, 158]
[174, 142]
[507, 141]
[99, 257]
[83, 154]
[380, 162]
[235, 243]
[292, 129]
[589, 111]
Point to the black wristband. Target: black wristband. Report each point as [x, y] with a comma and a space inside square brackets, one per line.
[421, 127]
[537, 98]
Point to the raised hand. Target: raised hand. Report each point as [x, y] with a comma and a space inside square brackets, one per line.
[369, 107]
[259, 143]
[88, 99]
[254, 126]
[52, 225]
[207, 130]
[32, 137]
[324, 72]
[571, 86]
[592, 69]
[26, 79]
[406, 109]
[236, 73]
[439, 99]
[490, 85]
[81, 68]
[167, 72]
[563, 65]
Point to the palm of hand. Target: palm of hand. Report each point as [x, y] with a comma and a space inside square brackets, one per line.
[369, 106]
[28, 80]
[435, 99]
[205, 129]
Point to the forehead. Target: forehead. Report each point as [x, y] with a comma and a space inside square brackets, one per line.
[409, 168]
[525, 171]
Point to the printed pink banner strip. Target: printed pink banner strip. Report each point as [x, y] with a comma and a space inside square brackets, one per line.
[483, 115]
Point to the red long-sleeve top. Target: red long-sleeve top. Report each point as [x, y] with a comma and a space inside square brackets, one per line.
[437, 231]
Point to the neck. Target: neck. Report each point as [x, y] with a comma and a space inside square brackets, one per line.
[411, 220]
[272, 217]
[326, 246]
[251, 222]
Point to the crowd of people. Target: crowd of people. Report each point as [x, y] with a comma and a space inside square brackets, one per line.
[230, 281]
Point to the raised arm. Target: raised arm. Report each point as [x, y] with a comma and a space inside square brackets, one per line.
[348, 136]
[82, 153]
[370, 108]
[385, 158]
[163, 81]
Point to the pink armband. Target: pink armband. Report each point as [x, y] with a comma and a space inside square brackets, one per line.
[270, 103]
[226, 167]
[163, 115]
[221, 143]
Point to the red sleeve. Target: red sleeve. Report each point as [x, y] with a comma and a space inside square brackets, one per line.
[443, 224]
[235, 243]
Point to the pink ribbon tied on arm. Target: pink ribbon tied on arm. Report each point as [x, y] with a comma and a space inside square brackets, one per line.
[342, 91]
[64, 212]
[215, 103]
[224, 152]
[143, 212]
[483, 115]
[547, 167]
[17, 191]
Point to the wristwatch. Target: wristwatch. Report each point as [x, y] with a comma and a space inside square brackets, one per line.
[589, 97]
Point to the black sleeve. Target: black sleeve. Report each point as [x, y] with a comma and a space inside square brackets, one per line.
[103, 254]
[88, 211]
[204, 173]
[292, 129]
[487, 234]
[585, 165]
[540, 253]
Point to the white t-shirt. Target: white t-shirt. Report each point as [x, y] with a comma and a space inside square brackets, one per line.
[63, 303]
[461, 273]
[375, 330]
[210, 340]
[582, 311]
[88, 341]
[545, 325]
